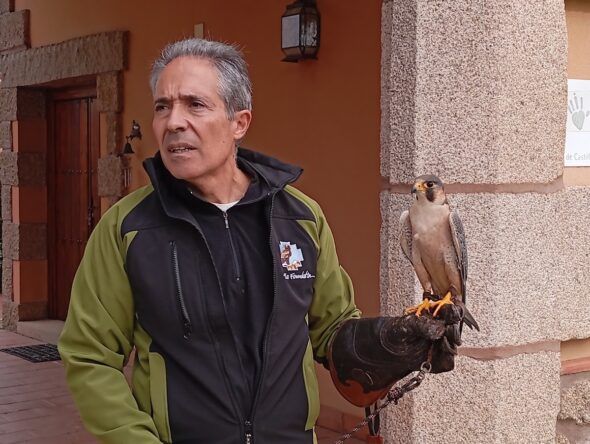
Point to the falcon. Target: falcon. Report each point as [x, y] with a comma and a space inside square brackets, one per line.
[433, 240]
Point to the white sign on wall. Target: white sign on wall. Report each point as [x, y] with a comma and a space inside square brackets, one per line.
[577, 136]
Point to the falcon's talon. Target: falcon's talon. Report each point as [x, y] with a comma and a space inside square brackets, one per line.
[440, 304]
[418, 309]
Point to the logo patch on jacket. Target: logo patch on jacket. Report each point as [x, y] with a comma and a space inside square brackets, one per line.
[291, 256]
[291, 259]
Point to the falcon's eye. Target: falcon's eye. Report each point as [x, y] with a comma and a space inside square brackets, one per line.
[429, 184]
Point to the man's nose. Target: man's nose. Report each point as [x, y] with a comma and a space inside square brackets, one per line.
[176, 119]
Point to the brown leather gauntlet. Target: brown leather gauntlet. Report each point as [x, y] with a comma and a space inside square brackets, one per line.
[367, 356]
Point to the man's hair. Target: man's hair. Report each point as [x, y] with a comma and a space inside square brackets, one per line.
[235, 88]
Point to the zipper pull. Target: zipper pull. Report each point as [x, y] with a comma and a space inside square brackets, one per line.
[225, 219]
[188, 329]
[249, 433]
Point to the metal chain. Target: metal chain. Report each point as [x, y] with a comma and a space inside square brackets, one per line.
[393, 396]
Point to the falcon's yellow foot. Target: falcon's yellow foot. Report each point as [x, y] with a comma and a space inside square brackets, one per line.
[418, 309]
[440, 304]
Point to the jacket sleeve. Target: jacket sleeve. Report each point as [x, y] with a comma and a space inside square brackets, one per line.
[333, 300]
[97, 340]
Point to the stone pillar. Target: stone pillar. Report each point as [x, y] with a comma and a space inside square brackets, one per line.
[475, 92]
[574, 417]
[23, 170]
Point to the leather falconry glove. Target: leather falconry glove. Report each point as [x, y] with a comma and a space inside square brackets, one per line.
[367, 356]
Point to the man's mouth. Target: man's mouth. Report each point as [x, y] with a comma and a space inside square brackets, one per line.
[180, 148]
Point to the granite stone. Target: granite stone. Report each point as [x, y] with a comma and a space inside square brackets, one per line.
[6, 135]
[504, 401]
[7, 102]
[22, 168]
[114, 132]
[572, 432]
[14, 31]
[110, 176]
[9, 242]
[6, 202]
[93, 54]
[8, 168]
[24, 241]
[6, 6]
[6, 274]
[474, 91]
[8, 314]
[575, 403]
[109, 89]
[21, 103]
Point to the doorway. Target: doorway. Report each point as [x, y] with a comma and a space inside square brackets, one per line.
[72, 187]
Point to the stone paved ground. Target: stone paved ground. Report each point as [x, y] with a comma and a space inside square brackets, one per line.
[36, 407]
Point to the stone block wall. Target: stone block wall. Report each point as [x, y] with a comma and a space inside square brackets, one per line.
[89, 55]
[475, 403]
[466, 90]
[14, 36]
[14, 31]
[23, 163]
[574, 415]
[6, 6]
[476, 94]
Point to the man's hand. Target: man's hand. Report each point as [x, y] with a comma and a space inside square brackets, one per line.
[367, 356]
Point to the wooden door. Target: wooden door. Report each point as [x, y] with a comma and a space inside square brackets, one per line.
[74, 206]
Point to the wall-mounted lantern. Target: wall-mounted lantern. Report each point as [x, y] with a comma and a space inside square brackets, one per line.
[300, 31]
[135, 133]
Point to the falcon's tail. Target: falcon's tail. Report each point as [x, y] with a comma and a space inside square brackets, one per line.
[469, 320]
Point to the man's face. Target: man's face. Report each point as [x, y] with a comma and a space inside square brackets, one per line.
[196, 139]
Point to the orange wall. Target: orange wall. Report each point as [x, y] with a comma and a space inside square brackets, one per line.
[322, 115]
[577, 13]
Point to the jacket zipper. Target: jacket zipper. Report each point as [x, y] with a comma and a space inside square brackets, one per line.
[249, 424]
[187, 327]
[249, 435]
[233, 249]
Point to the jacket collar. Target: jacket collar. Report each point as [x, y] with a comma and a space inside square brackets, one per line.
[276, 173]
[170, 190]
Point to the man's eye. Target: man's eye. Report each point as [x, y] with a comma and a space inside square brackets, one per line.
[196, 104]
[160, 107]
[429, 184]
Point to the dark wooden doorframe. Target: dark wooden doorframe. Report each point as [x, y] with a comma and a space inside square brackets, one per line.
[72, 186]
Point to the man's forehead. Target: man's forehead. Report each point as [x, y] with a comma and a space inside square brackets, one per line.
[187, 76]
[189, 68]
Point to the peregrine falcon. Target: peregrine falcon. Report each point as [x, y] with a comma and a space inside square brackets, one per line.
[433, 240]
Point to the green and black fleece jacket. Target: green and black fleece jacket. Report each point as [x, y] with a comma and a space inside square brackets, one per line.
[224, 348]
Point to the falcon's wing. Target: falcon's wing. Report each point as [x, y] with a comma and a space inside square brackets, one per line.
[405, 234]
[458, 234]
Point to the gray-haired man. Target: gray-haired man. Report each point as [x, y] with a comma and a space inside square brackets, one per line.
[220, 274]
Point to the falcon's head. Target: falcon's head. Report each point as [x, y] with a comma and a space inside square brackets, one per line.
[429, 189]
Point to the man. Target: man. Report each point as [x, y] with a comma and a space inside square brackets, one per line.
[225, 280]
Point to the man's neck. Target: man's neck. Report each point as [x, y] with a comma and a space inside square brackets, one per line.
[222, 188]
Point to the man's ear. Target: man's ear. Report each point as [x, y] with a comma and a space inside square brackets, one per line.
[242, 121]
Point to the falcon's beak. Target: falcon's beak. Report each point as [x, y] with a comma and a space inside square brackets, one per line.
[418, 187]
